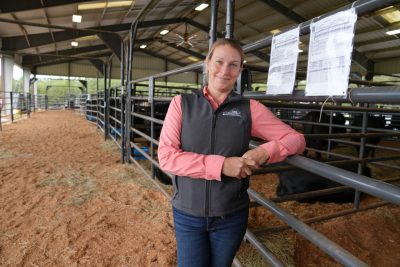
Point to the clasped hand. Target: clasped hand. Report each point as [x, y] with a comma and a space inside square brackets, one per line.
[241, 167]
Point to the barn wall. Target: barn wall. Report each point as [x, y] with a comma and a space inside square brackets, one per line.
[143, 66]
[392, 66]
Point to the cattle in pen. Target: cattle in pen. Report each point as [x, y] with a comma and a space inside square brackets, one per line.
[377, 122]
[301, 181]
[309, 128]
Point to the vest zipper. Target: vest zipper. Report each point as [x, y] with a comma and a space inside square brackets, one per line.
[208, 183]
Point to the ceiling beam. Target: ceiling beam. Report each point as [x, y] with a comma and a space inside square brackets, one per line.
[70, 60]
[33, 59]
[113, 42]
[48, 22]
[19, 42]
[17, 6]
[188, 51]
[98, 64]
[360, 59]
[283, 10]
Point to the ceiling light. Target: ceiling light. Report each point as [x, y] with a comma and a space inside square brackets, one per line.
[275, 31]
[193, 59]
[76, 18]
[87, 38]
[119, 3]
[90, 6]
[392, 17]
[74, 43]
[201, 7]
[164, 32]
[393, 32]
[143, 46]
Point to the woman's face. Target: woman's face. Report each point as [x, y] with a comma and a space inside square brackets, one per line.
[223, 68]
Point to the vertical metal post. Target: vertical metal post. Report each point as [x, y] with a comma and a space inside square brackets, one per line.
[230, 17]
[106, 104]
[363, 141]
[123, 99]
[329, 148]
[213, 23]
[28, 104]
[129, 106]
[97, 83]
[12, 106]
[151, 102]
[110, 66]
[46, 102]
[69, 86]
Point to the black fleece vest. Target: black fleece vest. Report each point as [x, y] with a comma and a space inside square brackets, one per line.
[225, 131]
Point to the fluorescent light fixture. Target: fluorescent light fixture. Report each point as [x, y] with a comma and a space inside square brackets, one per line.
[76, 18]
[74, 43]
[87, 38]
[119, 3]
[201, 7]
[89, 6]
[392, 17]
[393, 32]
[275, 31]
[193, 59]
[143, 46]
[164, 32]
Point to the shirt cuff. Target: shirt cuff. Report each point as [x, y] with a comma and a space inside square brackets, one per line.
[272, 149]
[214, 165]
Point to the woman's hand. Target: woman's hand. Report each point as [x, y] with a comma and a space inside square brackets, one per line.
[258, 154]
[238, 167]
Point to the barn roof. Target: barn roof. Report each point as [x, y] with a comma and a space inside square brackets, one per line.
[41, 31]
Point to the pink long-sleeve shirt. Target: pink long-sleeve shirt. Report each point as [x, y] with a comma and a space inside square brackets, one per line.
[282, 141]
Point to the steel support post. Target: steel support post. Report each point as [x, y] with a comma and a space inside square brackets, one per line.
[230, 18]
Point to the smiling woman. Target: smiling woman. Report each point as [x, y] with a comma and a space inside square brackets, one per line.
[204, 142]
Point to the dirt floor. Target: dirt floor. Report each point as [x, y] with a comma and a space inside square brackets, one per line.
[66, 200]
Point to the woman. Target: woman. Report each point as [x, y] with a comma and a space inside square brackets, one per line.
[204, 142]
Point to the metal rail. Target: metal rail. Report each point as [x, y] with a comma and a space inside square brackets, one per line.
[360, 182]
[365, 184]
[325, 244]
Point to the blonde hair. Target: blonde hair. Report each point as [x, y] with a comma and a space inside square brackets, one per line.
[230, 42]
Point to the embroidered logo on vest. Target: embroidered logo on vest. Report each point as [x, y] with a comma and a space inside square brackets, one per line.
[232, 113]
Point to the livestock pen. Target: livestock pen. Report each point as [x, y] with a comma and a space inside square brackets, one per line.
[112, 197]
[141, 129]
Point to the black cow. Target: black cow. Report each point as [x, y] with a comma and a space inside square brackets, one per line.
[161, 176]
[301, 181]
[372, 122]
[143, 125]
[314, 116]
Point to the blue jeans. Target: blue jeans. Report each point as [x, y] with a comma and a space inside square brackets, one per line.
[208, 241]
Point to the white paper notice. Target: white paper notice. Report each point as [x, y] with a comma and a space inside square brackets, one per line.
[283, 63]
[329, 57]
